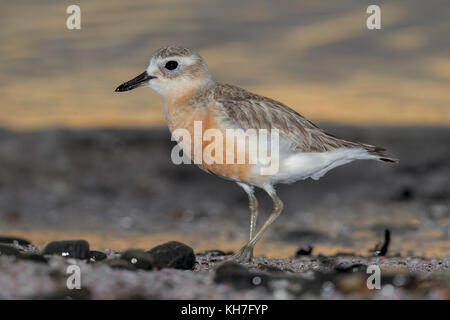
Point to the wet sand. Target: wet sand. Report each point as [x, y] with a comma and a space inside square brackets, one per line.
[119, 189]
[317, 57]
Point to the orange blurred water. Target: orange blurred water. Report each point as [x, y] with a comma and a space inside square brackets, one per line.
[317, 57]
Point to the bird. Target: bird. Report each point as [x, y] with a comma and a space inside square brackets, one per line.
[190, 94]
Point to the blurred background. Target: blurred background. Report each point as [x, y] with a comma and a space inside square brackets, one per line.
[80, 161]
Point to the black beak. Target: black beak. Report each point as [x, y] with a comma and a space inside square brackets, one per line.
[140, 80]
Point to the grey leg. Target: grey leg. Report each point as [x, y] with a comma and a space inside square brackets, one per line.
[246, 252]
[253, 205]
[277, 208]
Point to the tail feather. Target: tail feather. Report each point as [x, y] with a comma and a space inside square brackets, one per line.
[372, 150]
[380, 153]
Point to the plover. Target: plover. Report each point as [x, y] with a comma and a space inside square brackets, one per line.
[189, 94]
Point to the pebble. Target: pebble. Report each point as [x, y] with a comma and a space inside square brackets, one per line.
[304, 252]
[173, 254]
[14, 240]
[139, 258]
[77, 249]
[95, 256]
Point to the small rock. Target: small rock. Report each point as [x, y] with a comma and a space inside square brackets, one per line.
[8, 251]
[304, 252]
[139, 258]
[120, 264]
[77, 249]
[95, 256]
[14, 240]
[173, 254]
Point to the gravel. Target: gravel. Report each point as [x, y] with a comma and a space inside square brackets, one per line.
[305, 277]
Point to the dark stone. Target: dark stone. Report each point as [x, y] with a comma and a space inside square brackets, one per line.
[239, 276]
[14, 240]
[33, 257]
[78, 249]
[95, 256]
[304, 252]
[173, 254]
[120, 264]
[8, 251]
[139, 258]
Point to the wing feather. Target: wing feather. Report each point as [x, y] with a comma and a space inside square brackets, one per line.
[247, 110]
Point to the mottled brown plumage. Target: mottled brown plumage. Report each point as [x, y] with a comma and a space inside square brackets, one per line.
[173, 51]
[248, 110]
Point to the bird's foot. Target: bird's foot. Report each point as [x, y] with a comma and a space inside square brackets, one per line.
[243, 256]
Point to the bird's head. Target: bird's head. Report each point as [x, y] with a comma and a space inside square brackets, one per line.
[171, 68]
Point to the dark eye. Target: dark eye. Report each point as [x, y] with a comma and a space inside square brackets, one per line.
[171, 65]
